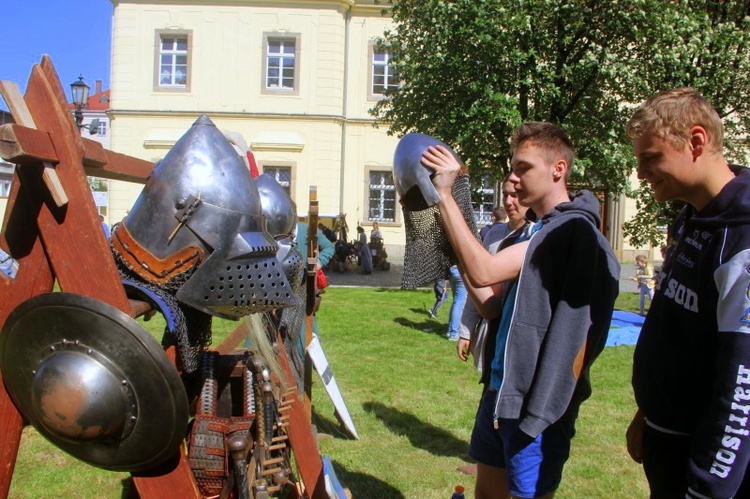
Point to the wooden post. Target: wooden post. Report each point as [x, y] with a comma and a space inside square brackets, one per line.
[312, 263]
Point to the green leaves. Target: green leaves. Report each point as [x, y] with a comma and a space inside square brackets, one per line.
[473, 70]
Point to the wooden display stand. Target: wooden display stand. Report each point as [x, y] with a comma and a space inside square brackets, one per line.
[52, 229]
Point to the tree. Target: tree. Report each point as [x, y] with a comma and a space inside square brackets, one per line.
[472, 70]
[704, 45]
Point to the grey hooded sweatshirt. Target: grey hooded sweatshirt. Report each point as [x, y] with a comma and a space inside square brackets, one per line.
[566, 294]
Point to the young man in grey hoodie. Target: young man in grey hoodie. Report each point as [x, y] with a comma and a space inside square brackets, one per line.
[553, 318]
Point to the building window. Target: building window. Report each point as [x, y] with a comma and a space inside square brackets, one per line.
[483, 199]
[383, 75]
[173, 61]
[4, 187]
[6, 177]
[281, 64]
[101, 128]
[382, 197]
[283, 175]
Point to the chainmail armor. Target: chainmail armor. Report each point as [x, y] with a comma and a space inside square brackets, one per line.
[428, 255]
[192, 333]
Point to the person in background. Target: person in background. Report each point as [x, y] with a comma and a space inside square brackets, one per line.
[326, 250]
[474, 328]
[644, 276]
[330, 235]
[457, 306]
[499, 216]
[105, 227]
[691, 366]
[376, 235]
[441, 296]
[364, 251]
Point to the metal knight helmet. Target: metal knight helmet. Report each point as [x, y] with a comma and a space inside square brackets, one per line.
[198, 229]
[281, 222]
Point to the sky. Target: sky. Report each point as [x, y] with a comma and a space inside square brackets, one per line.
[76, 34]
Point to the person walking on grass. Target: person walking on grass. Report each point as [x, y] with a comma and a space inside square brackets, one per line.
[691, 367]
[553, 314]
[644, 276]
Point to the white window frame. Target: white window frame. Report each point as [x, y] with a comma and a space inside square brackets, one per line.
[6, 178]
[286, 59]
[174, 53]
[5, 186]
[486, 187]
[380, 69]
[275, 168]
[382, 193]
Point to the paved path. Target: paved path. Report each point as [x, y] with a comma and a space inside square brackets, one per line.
[378, 278]
[392, 278]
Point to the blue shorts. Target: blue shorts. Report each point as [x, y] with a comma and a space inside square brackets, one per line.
[533, 465]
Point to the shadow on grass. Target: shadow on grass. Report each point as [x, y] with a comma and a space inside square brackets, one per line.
[425, 436]
[333, 427]
[127, 483]
[430, 326]
[363, 485]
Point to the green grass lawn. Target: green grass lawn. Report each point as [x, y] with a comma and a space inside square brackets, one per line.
[413, 403]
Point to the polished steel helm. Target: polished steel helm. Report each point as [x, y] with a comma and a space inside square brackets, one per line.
[281, 221]
[198, 227]
[278, 208]
[94, 382]
[411, 177]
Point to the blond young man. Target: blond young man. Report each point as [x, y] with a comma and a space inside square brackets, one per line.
[553, 321]
[691, 368]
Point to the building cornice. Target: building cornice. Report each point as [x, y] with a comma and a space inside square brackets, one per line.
[335, 118]
[359, 5]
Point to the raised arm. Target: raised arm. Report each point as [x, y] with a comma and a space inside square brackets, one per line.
[481, 268]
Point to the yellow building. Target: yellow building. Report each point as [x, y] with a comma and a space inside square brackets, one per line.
[295, 78]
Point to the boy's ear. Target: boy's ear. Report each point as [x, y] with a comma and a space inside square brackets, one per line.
[698, 141]
[559, 169]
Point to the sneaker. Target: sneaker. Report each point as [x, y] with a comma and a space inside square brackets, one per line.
[452, 337]
[432, 314]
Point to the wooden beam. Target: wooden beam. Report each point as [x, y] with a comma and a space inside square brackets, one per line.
[21, 145]
[73, 238]
[20, 239]
[100, 162]
[21, 114]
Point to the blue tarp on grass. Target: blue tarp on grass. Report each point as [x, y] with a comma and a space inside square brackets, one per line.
[624, 328]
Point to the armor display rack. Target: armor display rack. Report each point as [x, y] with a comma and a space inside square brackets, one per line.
[52, 233]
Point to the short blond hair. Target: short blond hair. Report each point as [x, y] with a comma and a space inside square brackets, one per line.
[641, 258]
[671, 114]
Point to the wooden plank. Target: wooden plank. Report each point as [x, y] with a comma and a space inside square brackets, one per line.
[100, 162]
[301, 438]
[73, 238]
[12, 95]
[20, 239]
[21, 114]
[20, 144]
[170, 480]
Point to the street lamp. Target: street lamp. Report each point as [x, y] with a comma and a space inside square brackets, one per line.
[80, 92]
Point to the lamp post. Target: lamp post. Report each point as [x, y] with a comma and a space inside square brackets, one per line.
[80, 92]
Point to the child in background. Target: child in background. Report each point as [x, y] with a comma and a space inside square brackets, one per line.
[441, 295]
[644, 276]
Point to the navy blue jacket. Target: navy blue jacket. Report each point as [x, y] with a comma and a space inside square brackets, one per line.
[691, 370]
